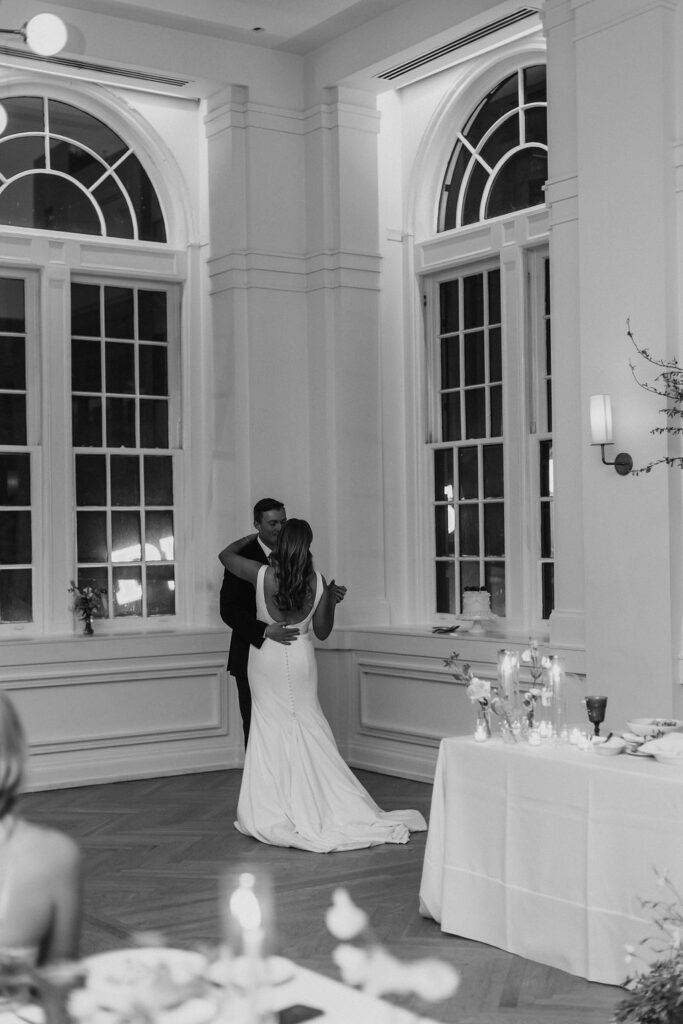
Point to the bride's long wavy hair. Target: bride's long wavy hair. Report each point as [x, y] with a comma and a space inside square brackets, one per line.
[293, 564]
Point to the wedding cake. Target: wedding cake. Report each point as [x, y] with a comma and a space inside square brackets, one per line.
[476, 604]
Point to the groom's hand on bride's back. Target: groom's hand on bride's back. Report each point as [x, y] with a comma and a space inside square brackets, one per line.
[281, 633]
[337, 591]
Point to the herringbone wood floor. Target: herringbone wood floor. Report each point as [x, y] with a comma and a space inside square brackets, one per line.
[155, 850]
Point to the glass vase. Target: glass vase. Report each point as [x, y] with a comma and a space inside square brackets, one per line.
[482, 731]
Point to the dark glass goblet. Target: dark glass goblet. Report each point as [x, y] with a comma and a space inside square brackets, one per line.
[596, 706]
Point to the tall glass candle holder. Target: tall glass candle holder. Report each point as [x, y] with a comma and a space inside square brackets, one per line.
[508, 677]
[556, 683]
[247, 908]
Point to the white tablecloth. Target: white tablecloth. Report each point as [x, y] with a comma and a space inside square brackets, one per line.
[545, 851]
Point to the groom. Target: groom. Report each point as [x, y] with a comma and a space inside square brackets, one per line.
[238, 604]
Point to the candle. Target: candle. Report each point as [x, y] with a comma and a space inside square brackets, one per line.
[535, 738]
[245, 908]
[480, 733]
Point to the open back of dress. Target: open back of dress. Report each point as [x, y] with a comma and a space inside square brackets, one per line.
[296, 788]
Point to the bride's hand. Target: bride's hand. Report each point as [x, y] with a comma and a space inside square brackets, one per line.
[337, 591]
[281, 633]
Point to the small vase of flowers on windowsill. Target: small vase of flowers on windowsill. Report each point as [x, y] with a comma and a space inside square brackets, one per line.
[87, 604]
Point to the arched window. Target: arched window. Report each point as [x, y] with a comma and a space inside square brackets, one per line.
[61, 169]
[500, 160]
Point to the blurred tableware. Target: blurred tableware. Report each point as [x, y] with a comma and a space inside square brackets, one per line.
[595, 708]
[670, 743]
[165, 977]
[224, 972]
[651, 727]
[610, 747]
[670, 759]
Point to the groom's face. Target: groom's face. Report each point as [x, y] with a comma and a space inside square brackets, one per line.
[270, 524]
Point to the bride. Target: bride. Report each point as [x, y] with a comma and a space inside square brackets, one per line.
[296, 789]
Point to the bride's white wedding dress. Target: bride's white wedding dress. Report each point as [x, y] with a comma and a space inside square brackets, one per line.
[296, 788]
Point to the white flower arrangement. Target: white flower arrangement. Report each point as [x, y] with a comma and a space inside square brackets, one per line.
[374, 969]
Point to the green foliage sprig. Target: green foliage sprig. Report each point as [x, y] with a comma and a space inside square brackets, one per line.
[668, 384]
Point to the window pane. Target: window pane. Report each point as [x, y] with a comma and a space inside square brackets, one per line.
[475, 363]
[548, 589]
[443, 530]
[534, 84]
[546, 531]
[153, 424]
[535, 125]
[469, 577]
[15, 538]
[519, 183]
[121, 422]
[450, 363]
[546, 458]
[161, 590]
[127, 582]
[494, 530]
[498, 102]
[496, 399]
[449, 306]
[17, 155]
[86, 369]
[12, 419]
[145, 201]
[12, 363]
[12, 307]
[474, 190]
[494, 296]
[468, 473]
[45, 201]
[504, 138]
[153, 370]
[85, 310]
[475, 413]
[24, 114]
[450, 416]
[126, 537]
[15, 479]
[16, 603]
[117, 218]
[125, 480]
[120, 367]
[75, 161]
[469, 529]
[473, 301]
[77, 124]
[152, 325]
[118, 312]
[91, 536]
[87, 422]
[493, 471]
[495, 355]
[159, 538]
[91, 480]
[445, 587]
[443, 474]
[494, 576]
[158, 480]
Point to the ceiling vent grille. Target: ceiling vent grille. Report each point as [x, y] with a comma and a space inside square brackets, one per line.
[457, 44]
[100, 69]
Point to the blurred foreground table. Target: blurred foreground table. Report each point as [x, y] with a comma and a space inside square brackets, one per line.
[546, 851]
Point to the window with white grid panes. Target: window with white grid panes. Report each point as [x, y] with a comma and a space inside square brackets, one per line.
[542, 426]
[121, 362]
[16, 531]
[469, 489]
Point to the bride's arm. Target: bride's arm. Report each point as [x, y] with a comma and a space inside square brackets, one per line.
[245, 568]
[323, 617]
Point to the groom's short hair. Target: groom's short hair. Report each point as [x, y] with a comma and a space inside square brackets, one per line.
[266, 505]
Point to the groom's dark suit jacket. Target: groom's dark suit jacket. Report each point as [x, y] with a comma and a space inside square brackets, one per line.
[238, 610]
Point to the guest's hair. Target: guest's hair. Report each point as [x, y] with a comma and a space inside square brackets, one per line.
[12, 754]
[293, 564]
[266, 505]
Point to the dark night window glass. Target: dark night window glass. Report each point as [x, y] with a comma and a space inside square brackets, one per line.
[445, 587]
[118, 312]
[91, 536]
[450, 363]
[120, 367]
[86, 368]
[475, 413]
[75, 162]
[126, 537]
[475, 358]
[152, 316]
[493, 471]
[125, 480]
[15, 538]
[153, 370]
[468, 473]
[469, 529]
[120, 422]
[127, 597]
[473, 301]
[494, 529]
[443, 531]
[12, 306]
[519, 183]
[113, 204]
[153, 424]
[158, 480]
[443, 474]
[145, 201]
[12, 419]
[50, 203]
[16, 155]
[160, 590]
[547, 589]
[85, 310]
[505, 138]
[499, 101]
[450, 416]
[450, 306]
[16, 603]
[474, 190]
[91, 480]
[24, 114]
[12, 364]
[77, 124]
[15, 478]
[86, 422]
[159, 537]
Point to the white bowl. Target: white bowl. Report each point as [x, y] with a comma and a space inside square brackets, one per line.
[675, 759]
[652, 727]
[608, 748]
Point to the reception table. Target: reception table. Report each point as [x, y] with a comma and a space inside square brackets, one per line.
[546, 851]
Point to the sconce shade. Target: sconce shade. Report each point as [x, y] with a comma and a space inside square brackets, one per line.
[46, 34]
[601, 419]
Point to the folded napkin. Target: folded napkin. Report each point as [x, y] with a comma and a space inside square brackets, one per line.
[672, 743]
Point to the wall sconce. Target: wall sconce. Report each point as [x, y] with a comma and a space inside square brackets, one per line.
[44, 33]
[601, 432]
